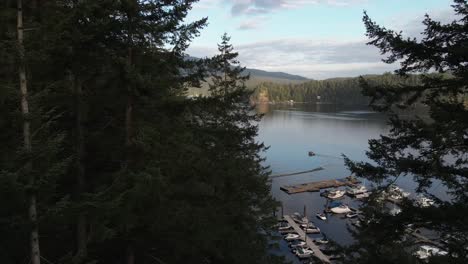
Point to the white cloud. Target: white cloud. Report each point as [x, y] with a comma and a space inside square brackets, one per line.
[249, 24]
[254, 7]
[318, 59]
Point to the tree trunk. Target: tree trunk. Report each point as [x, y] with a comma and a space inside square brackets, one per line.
[34, 234]
[130, 255]
[81, 227]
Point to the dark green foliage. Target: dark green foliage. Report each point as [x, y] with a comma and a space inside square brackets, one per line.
[429, 150]
[188, 188]
[331, 91]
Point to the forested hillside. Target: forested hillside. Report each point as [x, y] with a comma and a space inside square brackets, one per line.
[337, 90]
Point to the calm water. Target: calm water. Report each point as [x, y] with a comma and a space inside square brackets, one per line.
[329, 131]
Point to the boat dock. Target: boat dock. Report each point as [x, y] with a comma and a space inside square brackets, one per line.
[318, 185]
[317, 252]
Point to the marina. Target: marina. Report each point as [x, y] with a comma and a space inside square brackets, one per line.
[317, 252]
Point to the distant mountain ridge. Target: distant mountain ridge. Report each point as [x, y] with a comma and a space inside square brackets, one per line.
[277, 75]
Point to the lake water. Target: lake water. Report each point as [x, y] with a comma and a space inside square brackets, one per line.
[292, 131]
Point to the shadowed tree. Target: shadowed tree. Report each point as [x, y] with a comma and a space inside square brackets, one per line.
[430, 149]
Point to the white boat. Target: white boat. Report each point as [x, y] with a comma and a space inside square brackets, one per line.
[321, 216]
[426, 251]
[342, 209]
[291, 237]
[359, 189]
[312, 230]
[321, 241]
[304, 253]
[285, 227]
[298, 218]
[335, 194]
[423, 201]
[297, 244]
[351, 215]
[362, 195]
[396, 193]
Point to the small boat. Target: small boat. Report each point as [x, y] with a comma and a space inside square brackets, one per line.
[298, 218]
[297, 243]
[335, 194]
[362, 195]
[287, 231]
[322, 240]
[342, 209]
[426, 251]
[311, 154]
[359, 189]
[304, 253]
[285, 227]
[351, 215]
[321, 216]
[396, 193]
[423, 201]
[310, 228]
[291, 237]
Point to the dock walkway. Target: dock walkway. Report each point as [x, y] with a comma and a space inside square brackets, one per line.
[318, 185]
[317, 252]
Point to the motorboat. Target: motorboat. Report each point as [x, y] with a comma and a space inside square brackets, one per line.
[312, 230]
[396, 193]
[351, 215]
[335, 194]
[286, 227]
[303, 253]
[291, 237]
[321, 216]
[358, 189]
[362, 195]
[427, 251]
[311, 153]
[298, 218]
[297, 243]
[287, 231]
[322, 240]
[423, 201]
[342, 209]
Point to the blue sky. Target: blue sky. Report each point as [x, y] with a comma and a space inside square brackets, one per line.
[315, 38]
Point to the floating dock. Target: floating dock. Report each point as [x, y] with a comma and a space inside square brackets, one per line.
[317, 252]
[318, 185]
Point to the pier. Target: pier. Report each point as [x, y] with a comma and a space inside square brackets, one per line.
[317, 252]
[318, 185]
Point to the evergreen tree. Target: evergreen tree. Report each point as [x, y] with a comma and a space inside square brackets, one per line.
[429, 151]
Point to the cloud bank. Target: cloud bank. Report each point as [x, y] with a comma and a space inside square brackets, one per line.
[255, 7]
[317, 59]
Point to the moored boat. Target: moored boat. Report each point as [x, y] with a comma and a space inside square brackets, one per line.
[335, 194]
[358, 189]
[321, 216]
[304, 253]
[423, 201]
[351, 215]
[291, 237]
[342, 209]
